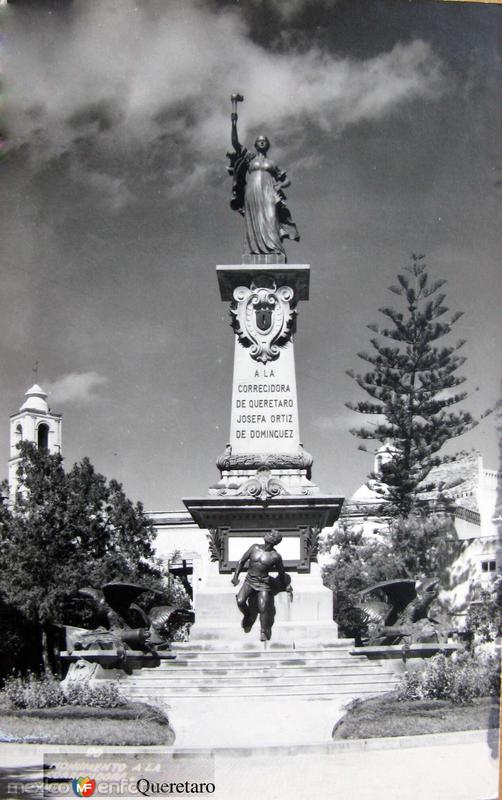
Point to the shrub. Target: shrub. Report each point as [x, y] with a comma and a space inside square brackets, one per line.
[105, 696]
[356, 562]
[47, 692]
[410, 686]
[484, 617]
[34, 692]
[458, 680]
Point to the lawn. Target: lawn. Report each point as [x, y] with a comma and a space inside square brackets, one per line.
[134, 724]
[385, 716]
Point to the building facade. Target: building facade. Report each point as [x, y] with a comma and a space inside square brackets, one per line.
[35, 423]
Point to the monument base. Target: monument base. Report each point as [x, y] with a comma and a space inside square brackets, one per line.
[304, 621]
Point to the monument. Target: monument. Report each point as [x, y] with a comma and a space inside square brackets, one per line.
[263, 638]
[403, 623]
[122, 635]
[265, 473]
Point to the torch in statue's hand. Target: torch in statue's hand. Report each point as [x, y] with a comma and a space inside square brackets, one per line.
[235, 98]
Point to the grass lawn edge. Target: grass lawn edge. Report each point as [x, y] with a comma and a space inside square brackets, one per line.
[384, 717]
[135, 724]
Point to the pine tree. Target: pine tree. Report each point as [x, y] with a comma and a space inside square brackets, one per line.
[424, 545]
[412, 385]
[66, 531]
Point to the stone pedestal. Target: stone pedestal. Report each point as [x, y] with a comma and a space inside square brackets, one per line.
[265, 473]
[264, 412]
[308, 618]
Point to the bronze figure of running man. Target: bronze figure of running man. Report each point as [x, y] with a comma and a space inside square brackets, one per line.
[256, 595]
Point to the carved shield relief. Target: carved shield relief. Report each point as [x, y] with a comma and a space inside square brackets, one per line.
[263, 319]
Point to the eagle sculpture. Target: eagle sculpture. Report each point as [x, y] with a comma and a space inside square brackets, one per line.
[118, 622]
[400, 610]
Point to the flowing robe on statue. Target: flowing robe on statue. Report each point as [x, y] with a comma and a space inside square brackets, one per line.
[255, 196]
[260, 209]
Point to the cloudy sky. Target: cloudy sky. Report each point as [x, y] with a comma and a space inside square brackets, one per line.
[114, 210]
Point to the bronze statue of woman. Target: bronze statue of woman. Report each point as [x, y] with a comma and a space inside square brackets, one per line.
[258, 194]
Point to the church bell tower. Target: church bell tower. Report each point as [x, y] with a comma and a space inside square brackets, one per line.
[34, 422]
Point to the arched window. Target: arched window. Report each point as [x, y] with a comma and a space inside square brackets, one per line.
[18, 433]
[43, 436]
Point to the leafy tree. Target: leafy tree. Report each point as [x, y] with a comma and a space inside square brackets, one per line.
[412, 385]
[425, 545]
[17, 641]
[357, 563]
[415, 547]
[65, 531]
[484, 616]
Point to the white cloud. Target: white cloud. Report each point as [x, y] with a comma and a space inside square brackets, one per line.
[288, 9]
[111, 191]
[153, 81]
[75, 387]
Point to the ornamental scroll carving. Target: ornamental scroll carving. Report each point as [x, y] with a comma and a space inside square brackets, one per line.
[263, 317]
[239, 461]
[261, 486]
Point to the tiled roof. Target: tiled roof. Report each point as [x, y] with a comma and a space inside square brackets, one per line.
[455, 480]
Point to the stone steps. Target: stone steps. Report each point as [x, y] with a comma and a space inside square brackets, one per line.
[255, 649]
[249, 681]
[210, 674]
[312, 672]
[349, 691]
[292, 694]
[265, 653]
[234, 665]
[268, 663]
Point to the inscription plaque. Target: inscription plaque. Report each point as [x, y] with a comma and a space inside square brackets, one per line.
[264, 416]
